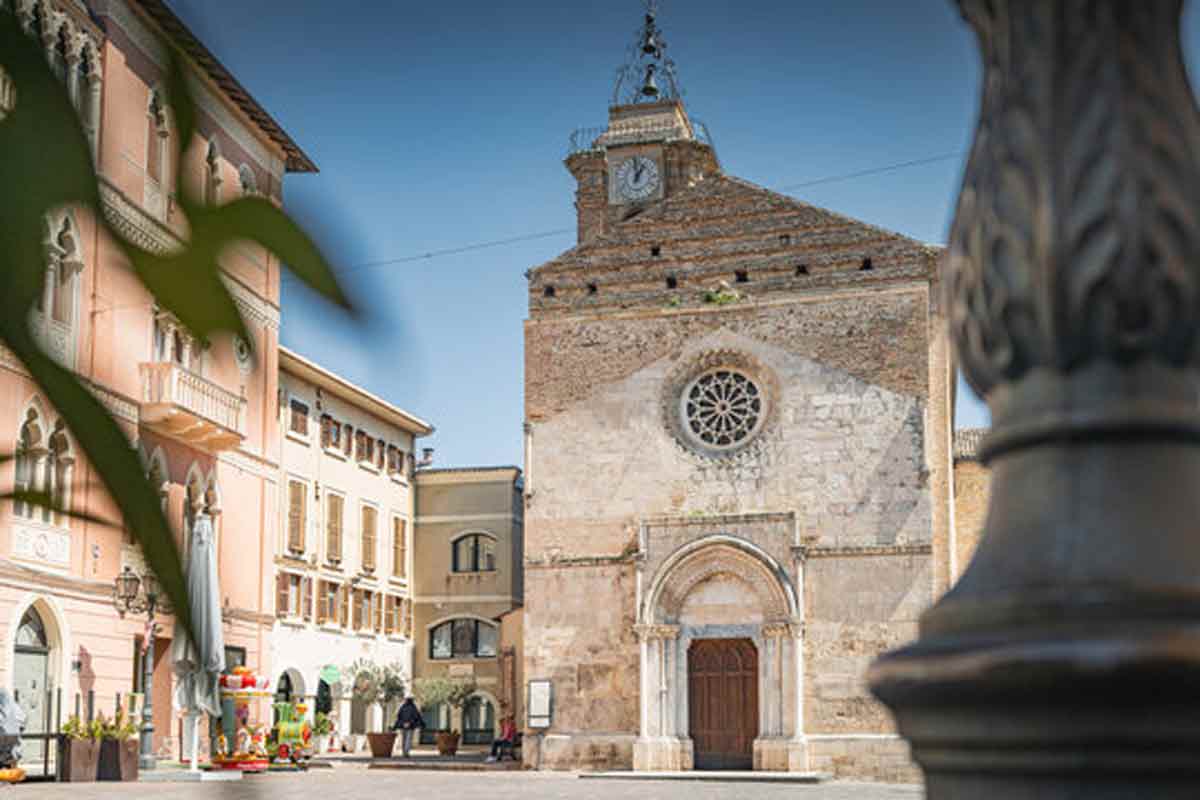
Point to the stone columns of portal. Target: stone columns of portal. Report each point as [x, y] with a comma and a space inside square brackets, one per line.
[781, 746]
[659, 746]
[1065, 663]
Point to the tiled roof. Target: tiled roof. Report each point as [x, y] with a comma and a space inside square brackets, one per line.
[172, 26]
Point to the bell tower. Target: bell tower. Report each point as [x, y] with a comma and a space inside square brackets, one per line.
[651, 149]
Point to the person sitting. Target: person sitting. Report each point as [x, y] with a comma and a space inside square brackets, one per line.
[408, 720]
[508, 735]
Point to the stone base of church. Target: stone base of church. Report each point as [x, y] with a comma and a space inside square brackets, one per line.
[578, 751]
[780, 755]
[665, 754]
[883, 758]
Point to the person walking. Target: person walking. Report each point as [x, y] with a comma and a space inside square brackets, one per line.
[408, 720]
[508, 736]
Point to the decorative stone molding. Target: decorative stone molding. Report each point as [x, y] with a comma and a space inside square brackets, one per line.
[649, 632]
[135, 223]
[835, 551]
[256, 310]
[679, 577]
[118, 405]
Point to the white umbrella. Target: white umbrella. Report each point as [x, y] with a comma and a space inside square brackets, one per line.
[198, 665]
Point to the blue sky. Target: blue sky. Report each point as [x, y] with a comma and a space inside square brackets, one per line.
[442, 125]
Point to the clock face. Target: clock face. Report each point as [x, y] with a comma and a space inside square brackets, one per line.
[636, 178]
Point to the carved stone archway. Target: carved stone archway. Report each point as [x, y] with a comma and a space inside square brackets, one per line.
[720, 587]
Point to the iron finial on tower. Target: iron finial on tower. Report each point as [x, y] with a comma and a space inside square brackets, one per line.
[648, 75]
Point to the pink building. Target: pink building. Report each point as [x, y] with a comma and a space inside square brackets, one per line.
[204, 417]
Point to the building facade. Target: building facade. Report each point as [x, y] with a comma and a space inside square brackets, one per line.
[344, 568]
[201, 415]
[972, 491]
[737, 466]
[469, 584]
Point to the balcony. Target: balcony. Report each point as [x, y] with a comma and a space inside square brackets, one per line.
[192, 409]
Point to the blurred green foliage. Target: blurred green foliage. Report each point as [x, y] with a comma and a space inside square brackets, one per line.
[46, 164]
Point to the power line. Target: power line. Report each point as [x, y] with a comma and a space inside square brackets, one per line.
[449, 251]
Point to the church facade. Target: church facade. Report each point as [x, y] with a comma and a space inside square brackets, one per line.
[737, 463]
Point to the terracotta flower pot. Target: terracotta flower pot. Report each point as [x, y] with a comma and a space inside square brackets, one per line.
[118, 760]
[381, 744]
[447, 743]
[78, 759]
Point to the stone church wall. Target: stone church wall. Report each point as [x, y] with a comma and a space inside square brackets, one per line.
[843, 449]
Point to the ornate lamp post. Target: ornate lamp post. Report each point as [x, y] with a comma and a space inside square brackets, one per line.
[135, 594]
[1066, 661]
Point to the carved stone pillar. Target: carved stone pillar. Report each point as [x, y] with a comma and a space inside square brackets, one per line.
[1066, 661]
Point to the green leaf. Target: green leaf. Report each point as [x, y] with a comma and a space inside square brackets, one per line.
[45, 164]
[115, 461]
[183, 109]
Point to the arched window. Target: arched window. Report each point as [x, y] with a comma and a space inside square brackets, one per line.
[479, 720]
[462, 638]
[475, 552]
[30, 447]
[247, 180]
[156, 137]
[59, 465]
[31, 634]
[61, 55]
[212, 174]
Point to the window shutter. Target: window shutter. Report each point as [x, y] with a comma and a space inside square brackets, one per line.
[296, 500]
[399, 547]
[326, 430]
[377, 603]
[344, 605]
[306, 591]
[368, 538]
[281, 594]
[333, 532]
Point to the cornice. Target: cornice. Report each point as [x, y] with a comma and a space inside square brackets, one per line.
[834, 551]
[131, 221]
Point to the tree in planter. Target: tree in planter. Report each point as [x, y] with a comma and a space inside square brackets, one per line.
[454, 693]
[372, 684]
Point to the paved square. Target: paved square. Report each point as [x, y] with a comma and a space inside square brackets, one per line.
[356, 783]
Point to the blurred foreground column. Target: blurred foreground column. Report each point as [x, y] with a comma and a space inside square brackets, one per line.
[1066, 662]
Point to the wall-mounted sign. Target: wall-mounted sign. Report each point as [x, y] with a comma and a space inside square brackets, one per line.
[541, 704]
[461, 671]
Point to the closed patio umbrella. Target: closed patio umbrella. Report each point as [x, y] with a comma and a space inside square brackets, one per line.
[198, 664]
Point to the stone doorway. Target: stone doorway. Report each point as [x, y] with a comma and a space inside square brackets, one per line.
[723, 702]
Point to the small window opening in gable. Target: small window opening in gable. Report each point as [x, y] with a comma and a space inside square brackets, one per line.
[656, 250]
[548, 291]
[802, 269]
[741, 276]
[672, 282]
[785, 239]
[592, 288]
[866, 265]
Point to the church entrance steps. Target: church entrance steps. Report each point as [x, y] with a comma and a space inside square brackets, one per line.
[724, 776]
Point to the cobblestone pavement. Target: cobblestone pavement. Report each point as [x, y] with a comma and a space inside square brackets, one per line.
[350, 783]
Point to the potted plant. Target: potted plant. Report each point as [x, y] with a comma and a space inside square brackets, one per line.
[322, 728]
[454, 693]
[118, 748]
[367, 686]
[79, 750]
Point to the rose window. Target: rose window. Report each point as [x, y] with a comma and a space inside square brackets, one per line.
[722, 409]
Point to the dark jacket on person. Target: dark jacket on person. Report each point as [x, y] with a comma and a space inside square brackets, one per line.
[408, 717]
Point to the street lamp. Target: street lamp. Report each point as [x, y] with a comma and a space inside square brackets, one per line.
[137, 594]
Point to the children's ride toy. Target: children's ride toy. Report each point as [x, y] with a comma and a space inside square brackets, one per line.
[239, 688]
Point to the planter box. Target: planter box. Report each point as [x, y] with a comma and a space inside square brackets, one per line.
[78, 759]
[119, 760]
[447, 743]
[381, 744]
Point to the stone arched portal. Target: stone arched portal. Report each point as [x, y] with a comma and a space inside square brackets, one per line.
[720, 587]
